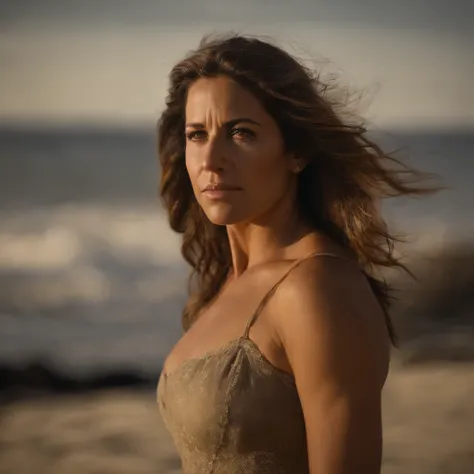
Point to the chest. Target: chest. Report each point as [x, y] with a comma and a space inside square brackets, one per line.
[225, 320]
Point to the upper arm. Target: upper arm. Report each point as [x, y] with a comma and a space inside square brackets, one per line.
[335, 339]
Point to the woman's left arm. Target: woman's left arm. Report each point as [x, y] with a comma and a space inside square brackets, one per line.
[335, 338]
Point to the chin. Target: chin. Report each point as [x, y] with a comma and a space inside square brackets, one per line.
[224, 215]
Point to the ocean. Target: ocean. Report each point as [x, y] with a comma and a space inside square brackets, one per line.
[91, 277]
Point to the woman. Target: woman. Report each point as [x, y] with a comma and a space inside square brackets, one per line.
[287, 339]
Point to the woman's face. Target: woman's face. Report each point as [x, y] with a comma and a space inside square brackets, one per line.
[234, 153]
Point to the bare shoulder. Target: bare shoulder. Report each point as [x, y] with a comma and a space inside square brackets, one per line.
[330, 324]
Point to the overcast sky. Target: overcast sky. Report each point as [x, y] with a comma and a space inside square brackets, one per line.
[439, 14]
[107, 60]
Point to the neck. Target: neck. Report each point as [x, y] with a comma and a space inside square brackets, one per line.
[269, 238]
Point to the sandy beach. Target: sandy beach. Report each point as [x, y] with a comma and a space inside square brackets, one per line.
[428, 429]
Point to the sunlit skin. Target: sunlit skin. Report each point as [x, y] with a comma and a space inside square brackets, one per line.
[324, 325]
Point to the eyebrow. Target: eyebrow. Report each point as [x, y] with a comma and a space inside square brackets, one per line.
[228, 124]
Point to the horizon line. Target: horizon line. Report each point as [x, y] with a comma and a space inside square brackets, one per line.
[143, 126]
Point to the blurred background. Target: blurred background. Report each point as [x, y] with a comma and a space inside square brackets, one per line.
[91, 279]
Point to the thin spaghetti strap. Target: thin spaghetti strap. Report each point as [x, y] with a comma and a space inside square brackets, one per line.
[273, 289]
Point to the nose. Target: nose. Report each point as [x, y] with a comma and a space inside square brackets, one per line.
[212, 158]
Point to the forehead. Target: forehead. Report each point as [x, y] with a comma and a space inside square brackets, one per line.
[222, 98]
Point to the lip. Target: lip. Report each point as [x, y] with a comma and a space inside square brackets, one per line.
[220, 187]
[219, 191]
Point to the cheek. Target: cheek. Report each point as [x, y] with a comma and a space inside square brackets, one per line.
[192, 169]
[267, 167]
[267, 179]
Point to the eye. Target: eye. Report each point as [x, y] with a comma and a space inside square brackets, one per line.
[242, 133]
[196, 135]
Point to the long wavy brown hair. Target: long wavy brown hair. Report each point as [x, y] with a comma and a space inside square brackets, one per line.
[338, 191]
